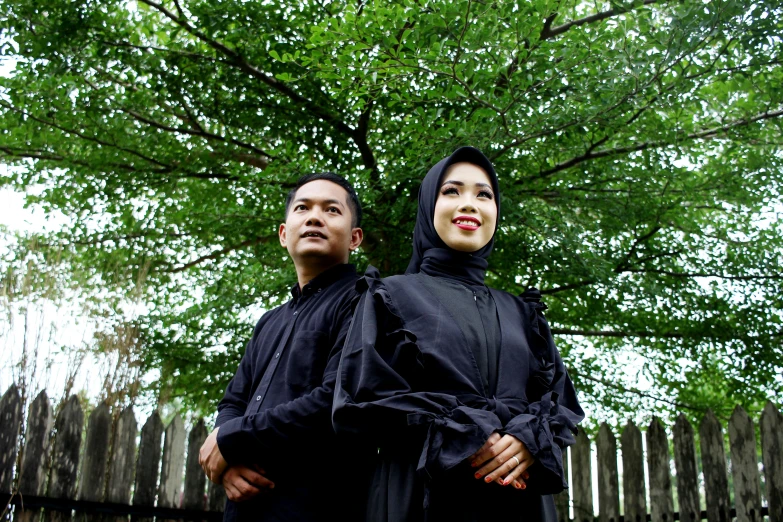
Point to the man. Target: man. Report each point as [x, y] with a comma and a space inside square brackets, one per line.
[273, 449]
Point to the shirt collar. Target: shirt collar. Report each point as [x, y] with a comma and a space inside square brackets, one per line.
[324, 279]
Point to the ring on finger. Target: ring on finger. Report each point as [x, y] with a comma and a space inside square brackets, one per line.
[515, 458]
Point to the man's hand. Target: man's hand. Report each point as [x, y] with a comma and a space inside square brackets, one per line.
[211, 459]
[243, 483]
[503, 460]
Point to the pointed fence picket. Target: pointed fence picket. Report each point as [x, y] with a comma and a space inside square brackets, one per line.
[32, 477]
[65, 458]
[160, 468]
[608, 483]
[147, 463]
[687, 470]
[661, 500]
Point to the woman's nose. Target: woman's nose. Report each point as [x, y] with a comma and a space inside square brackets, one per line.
[467, 206]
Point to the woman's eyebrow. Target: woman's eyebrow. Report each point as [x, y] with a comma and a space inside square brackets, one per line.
[461, 184]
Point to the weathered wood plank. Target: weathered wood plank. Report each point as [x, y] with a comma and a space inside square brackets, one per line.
[744, 467]
[195, 479]
[147, 464]
[713, 464]
[661, 500]
[634, 497]
[96, 454]
[92, 485]
[32, 479]
[772, 453]
[123, 458]
[10, 424]
[562, 498]
[608, 482]
[582, 473]
[173, 465]
[216, 497]
[687, 471]
[65, 456]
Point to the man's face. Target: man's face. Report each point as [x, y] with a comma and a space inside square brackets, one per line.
[318, 227]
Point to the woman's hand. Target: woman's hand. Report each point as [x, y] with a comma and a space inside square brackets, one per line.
[503, 460]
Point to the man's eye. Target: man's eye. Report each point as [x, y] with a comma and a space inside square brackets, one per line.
[300, 207]
[449, 190]
[333, 209]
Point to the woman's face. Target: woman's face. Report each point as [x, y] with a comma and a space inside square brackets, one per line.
[465, 211]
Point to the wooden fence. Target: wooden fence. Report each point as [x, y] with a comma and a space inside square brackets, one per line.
[111, 467]
[105, 484]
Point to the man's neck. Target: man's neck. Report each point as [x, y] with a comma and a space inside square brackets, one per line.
[307, 272]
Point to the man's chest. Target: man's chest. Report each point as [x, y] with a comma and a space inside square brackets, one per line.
[290, 355]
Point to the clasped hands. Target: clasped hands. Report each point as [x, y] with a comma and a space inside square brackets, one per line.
[240, 482]
[503, 459]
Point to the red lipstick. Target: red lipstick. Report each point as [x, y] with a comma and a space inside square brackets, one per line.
[466, 222]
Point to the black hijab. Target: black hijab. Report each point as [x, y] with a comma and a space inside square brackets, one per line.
[431, 255]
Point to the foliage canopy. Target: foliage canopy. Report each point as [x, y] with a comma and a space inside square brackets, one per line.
[638, 145]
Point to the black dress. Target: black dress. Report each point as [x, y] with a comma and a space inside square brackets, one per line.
[430, 369]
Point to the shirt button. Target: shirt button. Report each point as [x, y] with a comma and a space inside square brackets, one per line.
[319, 290]
[258, 398]
[296, 313]
[277, 355]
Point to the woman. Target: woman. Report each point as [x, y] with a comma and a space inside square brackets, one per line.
[459, 386]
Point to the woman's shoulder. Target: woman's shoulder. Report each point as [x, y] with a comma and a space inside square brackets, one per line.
[373, 282]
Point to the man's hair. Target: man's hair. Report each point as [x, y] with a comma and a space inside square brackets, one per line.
[352, 199]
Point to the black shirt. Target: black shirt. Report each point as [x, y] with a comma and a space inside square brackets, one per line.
[279, 402]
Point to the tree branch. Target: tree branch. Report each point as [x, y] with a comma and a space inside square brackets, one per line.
[239, 61]
[609, 333]
[262, 162]
[775, 277]
[80, 134]
[220, 253]
[704, 134]
[634, 391]
[547, 33]
[360, 137]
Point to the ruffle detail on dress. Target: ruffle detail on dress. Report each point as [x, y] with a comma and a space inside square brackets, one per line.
[544, 429]
[451, 439]
[543, 374]
[372, 282]
[408, 356]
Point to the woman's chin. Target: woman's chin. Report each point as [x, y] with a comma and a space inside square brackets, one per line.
[468, 247]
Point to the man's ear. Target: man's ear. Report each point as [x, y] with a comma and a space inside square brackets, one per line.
[281, 235]
[357, 235]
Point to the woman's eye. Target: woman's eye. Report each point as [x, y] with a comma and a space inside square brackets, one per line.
[485, 194]
[449, 190]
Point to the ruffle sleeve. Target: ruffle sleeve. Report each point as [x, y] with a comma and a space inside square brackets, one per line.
[548, 424]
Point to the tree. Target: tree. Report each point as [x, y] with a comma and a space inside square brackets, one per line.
[638, 146]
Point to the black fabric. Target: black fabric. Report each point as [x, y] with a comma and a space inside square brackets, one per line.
[415, 380]
[279, 402]
[408, 382]
[473, 311]
[430, 254]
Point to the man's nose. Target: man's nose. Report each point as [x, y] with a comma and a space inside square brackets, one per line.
[314, 219]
